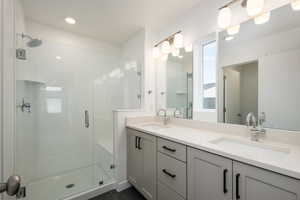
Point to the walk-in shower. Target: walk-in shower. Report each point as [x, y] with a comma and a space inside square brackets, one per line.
[66, 90]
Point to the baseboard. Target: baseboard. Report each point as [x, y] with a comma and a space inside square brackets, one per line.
[92, 193]
[123, 186]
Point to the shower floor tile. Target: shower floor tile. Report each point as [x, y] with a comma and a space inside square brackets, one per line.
[129, 194]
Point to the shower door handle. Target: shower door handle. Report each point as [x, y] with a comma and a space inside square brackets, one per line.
[12, 186]
[86, 119]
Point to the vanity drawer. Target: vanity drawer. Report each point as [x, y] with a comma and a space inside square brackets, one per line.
[173, 149]
[172, 173]
[164, 193]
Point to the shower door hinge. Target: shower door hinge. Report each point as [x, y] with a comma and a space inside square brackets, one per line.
[21, 193]
[112, 166]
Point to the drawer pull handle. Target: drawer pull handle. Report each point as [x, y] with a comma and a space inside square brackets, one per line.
[168, 173]
[225, 181]
[237, 184]
[169, 149]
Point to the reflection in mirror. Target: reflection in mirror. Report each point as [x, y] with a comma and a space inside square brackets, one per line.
[180, 84]
[240, 92]
[261, 70]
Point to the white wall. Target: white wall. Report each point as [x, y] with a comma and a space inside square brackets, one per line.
[133, 61]
[280, 89]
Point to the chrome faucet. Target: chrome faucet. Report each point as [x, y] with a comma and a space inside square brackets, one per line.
[256, 129]
[177, 113]
[166, 119]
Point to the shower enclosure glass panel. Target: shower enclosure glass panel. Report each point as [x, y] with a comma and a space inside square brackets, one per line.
[60, 150]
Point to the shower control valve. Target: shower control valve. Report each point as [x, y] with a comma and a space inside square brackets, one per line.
[25, 106]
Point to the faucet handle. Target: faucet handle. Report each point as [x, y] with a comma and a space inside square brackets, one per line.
[262, 118]
[162, 110]
[177, 113]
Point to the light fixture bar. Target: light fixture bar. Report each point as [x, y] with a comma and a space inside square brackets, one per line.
[170, 39]
[230, 3]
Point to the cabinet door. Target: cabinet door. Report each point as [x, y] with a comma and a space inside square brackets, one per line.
[134, 160]
[209, 176]
[252, 183]
[148, 148]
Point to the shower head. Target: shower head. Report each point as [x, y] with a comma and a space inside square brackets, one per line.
[33, 42]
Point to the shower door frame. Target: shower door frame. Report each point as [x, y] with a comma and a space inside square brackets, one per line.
[7, 109]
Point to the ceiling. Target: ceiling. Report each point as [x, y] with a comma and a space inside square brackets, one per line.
[112, 21]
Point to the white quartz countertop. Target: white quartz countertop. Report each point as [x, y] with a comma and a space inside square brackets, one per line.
[286, 162]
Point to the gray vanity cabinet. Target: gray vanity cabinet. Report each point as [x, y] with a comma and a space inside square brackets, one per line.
[141, 153]
[158, 168]
[214, 177]
[135, 158]
[209, 176]
[252, 183]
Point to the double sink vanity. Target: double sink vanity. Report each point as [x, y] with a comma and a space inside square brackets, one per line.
[195, 160]
[250, 78]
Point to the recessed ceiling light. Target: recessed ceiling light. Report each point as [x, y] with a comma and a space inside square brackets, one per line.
[70, 20]
[228, 38]
[58, 58]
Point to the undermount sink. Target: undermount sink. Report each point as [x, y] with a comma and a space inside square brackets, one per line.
[251, 148]
[155, 126]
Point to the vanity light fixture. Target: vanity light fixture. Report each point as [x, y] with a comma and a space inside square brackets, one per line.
[233, 30]
[178, 40]
[156, 52]
[224, 18]
[262, 18]
[70, 20]
[255, 7]
[166, 47]
[295, 4]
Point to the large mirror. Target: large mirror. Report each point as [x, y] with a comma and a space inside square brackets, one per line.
[187, 84]
[259, 72]
[179, 84]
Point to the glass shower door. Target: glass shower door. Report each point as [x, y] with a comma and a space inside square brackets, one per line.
[56, 152]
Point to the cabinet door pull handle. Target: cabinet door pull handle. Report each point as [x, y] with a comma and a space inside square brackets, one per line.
[237, 184]
[139, 143]
[169, 149]
[168, 173]
[136, 142]
[225, 190]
